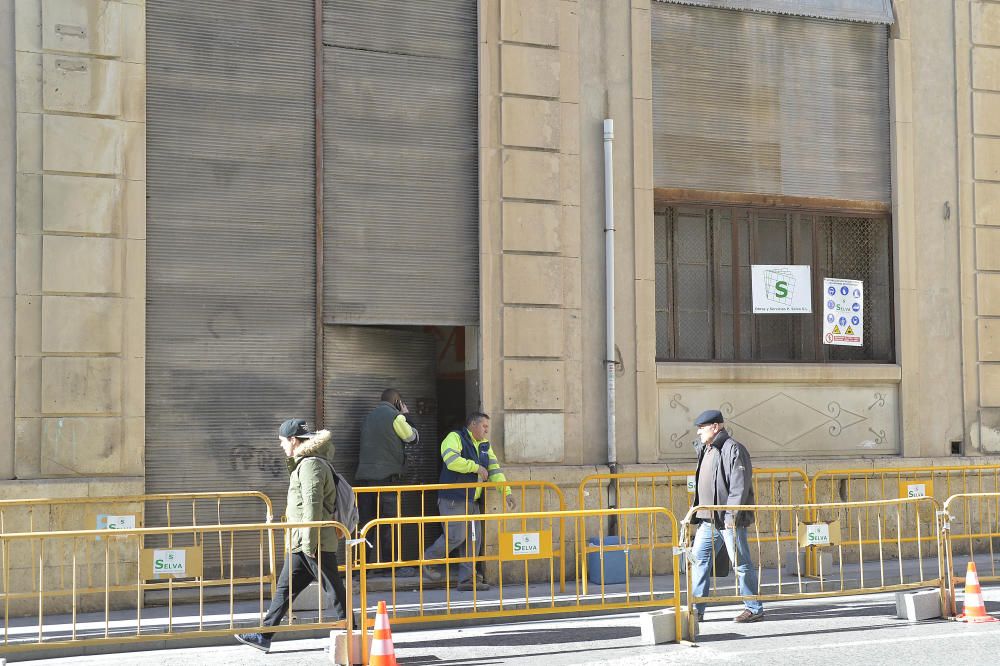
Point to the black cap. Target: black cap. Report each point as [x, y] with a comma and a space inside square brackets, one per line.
[709, 416]
[295, 428]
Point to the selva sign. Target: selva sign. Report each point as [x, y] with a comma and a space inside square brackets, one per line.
[172, 562]
[526, 544]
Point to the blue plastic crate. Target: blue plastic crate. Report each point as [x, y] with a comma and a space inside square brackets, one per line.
[615, 561]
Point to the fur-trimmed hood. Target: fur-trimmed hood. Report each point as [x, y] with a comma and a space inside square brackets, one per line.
[320, 445]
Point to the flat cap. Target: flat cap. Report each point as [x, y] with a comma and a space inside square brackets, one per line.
[709, 416]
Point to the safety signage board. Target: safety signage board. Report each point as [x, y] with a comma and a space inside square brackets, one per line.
[171, 562]
[781, 289]
[911, 488]
[843, 312]
[819, 534]
[525, 545]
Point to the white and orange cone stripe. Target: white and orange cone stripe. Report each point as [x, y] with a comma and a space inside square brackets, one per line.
[974, 607]
[382, 652]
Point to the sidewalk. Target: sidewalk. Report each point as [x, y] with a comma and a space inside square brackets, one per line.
[409, 604]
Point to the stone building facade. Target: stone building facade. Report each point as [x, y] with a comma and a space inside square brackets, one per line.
[73, 339]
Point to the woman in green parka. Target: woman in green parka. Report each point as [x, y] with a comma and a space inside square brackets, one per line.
[312, 552]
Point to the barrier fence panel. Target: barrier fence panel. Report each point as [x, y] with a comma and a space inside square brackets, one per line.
[675, 490]
[858, 485]
[527, 561]
[970, 526]
[899, 558]
[531, 496]
[133, 511]
[88, 586]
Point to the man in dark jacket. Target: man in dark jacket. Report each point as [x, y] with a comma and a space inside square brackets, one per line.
[312, 552]
[724, 477]
[381, 460]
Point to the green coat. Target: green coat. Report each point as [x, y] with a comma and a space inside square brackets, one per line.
[312, 495]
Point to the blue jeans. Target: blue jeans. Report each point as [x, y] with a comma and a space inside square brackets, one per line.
[739, 555]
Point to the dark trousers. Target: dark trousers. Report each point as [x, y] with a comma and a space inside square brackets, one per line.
[303, 570]
[378, 505]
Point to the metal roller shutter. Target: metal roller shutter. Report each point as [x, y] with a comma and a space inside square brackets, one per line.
[362, 361]
[401, 184]
[230, 245]
[758, 103]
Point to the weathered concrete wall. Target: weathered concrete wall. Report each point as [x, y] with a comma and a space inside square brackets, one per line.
[8, 141]
[80, 247]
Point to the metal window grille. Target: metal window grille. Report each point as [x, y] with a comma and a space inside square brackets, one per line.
[704, 305]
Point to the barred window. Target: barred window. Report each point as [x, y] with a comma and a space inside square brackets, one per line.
[704, 308]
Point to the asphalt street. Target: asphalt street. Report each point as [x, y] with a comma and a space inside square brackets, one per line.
[851, 630]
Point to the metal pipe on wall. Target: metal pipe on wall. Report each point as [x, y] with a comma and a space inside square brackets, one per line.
[609, 291]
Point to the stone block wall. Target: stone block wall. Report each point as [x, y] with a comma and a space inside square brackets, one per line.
[531, 226]
[80, 247]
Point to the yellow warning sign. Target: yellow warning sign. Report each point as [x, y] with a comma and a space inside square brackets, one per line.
[849, 331]
[836, 330]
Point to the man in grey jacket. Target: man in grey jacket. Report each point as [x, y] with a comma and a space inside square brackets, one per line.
[724, 477]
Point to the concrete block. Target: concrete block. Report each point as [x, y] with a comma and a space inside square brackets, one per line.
[81, 385]
[81, 446]
[134, 32]
[532, 279]
[135, 269]
[571, 235]
[81, 204]
[569, 75]
[28, 333]
[27, 448]
[570, 128]
[659, 627]
[135, 151]
[28, 200]
[75, 144]
[134, 92]
[917, 606]
[82, 324]
[338, 648]
[987, 203]
[989, 339]
[530, 21]
[569, 179]
[985, 23]
[532, 123]
[29, 143]
[28, 253]
[134, 447]
[531, 175]
[986, 68]
[988, 293]
[27, 385]
[532, 385]
[986, 113]
[82, 26]
[528, 70]
[28, 25]
[534, 438]
[73, 264]
[28, 81]
[989, 385]
[135, 209]
[531, 227]
[987, 249]
[532, 331]
[987, 164]
[82, 85]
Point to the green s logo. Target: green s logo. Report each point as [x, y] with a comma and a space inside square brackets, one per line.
[781, 289]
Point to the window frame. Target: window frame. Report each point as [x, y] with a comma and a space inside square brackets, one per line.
[735, 209]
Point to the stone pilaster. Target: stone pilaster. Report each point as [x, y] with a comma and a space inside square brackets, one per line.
[80, 242]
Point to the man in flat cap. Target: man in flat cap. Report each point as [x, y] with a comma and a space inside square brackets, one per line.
[724, 477]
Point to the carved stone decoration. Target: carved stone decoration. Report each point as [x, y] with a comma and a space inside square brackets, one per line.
[785, 420]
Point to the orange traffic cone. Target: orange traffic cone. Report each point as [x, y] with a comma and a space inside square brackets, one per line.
[382, 653]
[975, 609]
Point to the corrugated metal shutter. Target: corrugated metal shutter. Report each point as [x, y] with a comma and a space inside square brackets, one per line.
[230, 245]
[362, 361]
[747, 102]
[865, 11]
[401, 154]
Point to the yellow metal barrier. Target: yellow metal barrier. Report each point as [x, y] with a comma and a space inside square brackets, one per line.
[85, 591]
[531, 496]
[969, 523]
[528, 561]
[859, 566]
[861, 484]
[675, 490]
[129, 511]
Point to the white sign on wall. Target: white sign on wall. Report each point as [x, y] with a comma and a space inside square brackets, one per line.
[781, 289]
[692, 481]
[527, 544]
[818, 534]
[109, 522]
[843, 312]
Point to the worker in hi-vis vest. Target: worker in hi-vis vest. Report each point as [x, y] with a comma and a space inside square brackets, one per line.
[468, 458]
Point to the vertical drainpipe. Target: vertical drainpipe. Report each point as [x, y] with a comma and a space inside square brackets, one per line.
[318, 155]
[609, 291]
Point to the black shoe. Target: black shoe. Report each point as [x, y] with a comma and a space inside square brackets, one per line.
[746, 617]
[255, 641]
